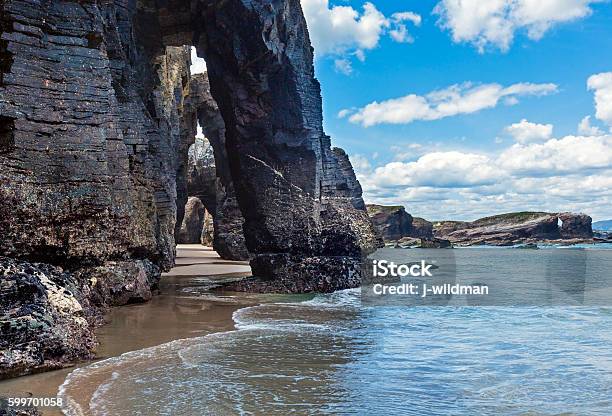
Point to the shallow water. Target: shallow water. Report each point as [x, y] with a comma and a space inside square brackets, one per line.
[331, 355]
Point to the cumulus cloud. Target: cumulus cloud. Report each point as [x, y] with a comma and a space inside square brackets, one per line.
[439, 169]
[567, 173]
[586, 129]
[601, 85]
[457, 99]
[344, 31]
[558, 156]
[495, 22]
[526, 132]
[198, 65]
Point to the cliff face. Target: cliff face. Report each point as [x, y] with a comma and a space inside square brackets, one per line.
[516, 228]
[91, 173]
[97, 112]
[91, 162]
[394, 223]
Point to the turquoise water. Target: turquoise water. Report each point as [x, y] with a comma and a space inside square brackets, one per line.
[332, 355]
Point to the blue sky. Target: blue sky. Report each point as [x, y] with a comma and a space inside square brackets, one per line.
[506, 137]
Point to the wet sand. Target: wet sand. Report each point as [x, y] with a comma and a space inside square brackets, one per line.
[183, 309]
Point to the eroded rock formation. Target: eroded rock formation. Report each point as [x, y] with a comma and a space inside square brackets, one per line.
[210, 176]
[193, 222]
[518, 228]
[97, 113]
[394, 223]
[304, 220]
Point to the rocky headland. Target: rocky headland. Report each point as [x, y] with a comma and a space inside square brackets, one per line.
[518, 228]
[398, 228]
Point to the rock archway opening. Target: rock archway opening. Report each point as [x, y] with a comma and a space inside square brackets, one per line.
[283, 197]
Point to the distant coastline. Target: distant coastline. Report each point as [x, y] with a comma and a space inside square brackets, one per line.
[398, 228]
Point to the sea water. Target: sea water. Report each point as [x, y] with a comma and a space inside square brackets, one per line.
[333, 355]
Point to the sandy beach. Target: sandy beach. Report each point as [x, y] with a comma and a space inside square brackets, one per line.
[183, 309]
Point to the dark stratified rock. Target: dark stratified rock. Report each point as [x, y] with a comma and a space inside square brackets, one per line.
[299, 200]
[394, 223]
[93, 131]
[117, 283]
[575, 225]
[193, 222]
[45, 318]
[202, 173]
[517, 228]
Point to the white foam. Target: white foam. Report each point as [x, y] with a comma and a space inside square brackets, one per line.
[245, 319]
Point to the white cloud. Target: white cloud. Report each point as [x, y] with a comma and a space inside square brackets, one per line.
[345, 112]
[494, 22]
[601, 84]
[344, 31]
[586, 129]
[457, 99]
[526, 132]
[439, 169]
[571, 173]
[400, 32]
[343, 66]
[558, 156]
[198, 65]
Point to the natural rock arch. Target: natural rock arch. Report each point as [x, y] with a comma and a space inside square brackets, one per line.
[98, 103]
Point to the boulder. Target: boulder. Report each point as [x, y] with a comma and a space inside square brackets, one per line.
[392, 222]
[421, 228]
[46, 320]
